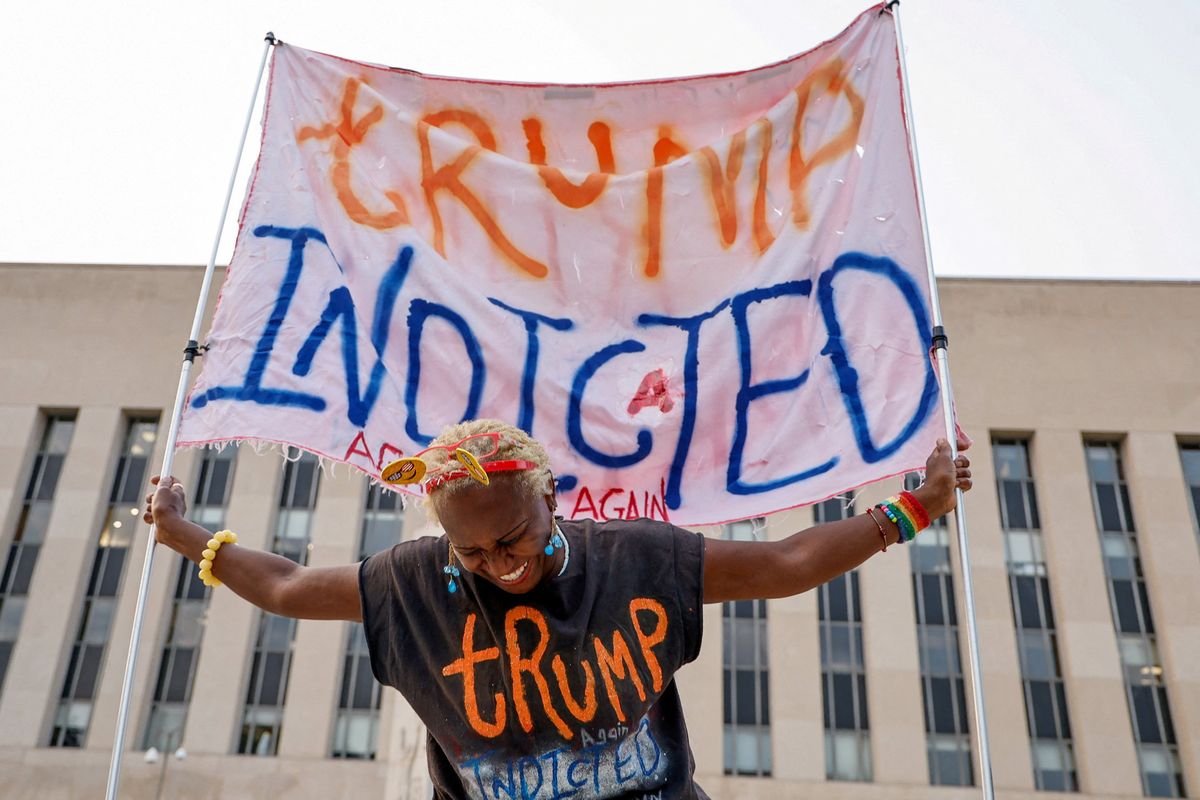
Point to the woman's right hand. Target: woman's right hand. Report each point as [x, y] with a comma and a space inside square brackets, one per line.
[269, 581]
[165, 505]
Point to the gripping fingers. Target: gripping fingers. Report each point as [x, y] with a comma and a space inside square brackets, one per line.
[168, 484]
[962, 478]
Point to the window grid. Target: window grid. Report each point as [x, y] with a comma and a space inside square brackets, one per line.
[270, 666]
[189, 606]
[1189, 454]
[74, 712]
[1145, 688]
[30, 532]
[943, 689]
[356, 729]
[843, 669]
[1045, 695]
[745, 673]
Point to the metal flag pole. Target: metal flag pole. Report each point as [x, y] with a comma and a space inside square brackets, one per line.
[941, 354]
[189, 356]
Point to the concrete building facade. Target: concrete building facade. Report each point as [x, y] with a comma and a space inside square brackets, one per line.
[1084, 402]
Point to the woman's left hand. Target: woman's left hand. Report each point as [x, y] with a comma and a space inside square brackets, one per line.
[942, 476]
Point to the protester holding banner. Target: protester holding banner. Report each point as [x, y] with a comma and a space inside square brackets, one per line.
[710, 293]
[540, 651]
[731, 316]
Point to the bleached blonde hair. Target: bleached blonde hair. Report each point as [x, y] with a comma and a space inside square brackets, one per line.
[515, 444]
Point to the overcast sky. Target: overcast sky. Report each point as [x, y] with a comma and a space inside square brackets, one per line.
[1057, 138]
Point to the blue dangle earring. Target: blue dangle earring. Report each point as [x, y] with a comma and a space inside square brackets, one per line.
[556, 541]
[453, 572]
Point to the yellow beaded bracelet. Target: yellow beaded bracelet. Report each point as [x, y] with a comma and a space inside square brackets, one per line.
[210, 554]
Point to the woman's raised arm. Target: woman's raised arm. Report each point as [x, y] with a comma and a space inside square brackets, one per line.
[271, 582]
[805, 560]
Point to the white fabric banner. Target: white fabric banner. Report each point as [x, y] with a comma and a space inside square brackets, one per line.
[707, 296]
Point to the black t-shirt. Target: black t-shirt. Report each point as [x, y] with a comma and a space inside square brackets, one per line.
[565, 691]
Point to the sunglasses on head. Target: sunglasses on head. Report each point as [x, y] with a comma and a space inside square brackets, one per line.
[467, 452]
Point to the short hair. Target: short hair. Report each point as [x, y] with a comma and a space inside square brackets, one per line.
[515, 444]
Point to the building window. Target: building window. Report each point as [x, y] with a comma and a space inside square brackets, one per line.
[747, 730]
[1145, 687]
[833, 509]
[189, 605]
[270, 666]
[356, 729]
[1033, 614]
[843, 670]
[1189, 452]
[943, 689]
[31, 530]
[74, 712]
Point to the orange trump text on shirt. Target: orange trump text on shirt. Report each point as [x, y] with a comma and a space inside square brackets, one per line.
[534, 687]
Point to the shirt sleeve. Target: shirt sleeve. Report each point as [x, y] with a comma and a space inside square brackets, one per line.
[377, 589]
[689, 582]
[395, 588]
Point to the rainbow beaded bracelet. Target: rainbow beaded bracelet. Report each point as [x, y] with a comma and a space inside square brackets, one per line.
[914, 507]
[902, 523]
[210, 554]
[906, 513]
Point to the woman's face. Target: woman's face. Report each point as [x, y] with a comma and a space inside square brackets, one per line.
[499, 533]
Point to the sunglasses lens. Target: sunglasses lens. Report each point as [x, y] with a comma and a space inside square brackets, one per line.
[481, 446]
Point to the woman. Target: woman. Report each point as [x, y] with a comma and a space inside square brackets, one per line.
[540, 652]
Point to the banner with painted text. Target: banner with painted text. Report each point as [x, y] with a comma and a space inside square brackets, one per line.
[707, 296]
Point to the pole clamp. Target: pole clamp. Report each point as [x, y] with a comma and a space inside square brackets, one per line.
[889, 6]
[270, 38]
[940, 340]
[193, 350]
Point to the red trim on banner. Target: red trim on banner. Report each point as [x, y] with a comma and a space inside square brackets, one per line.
[875, 9]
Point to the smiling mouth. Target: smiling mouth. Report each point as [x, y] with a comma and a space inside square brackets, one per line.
[516, 576]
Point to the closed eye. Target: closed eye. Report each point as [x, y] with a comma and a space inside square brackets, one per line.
[508, 541]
